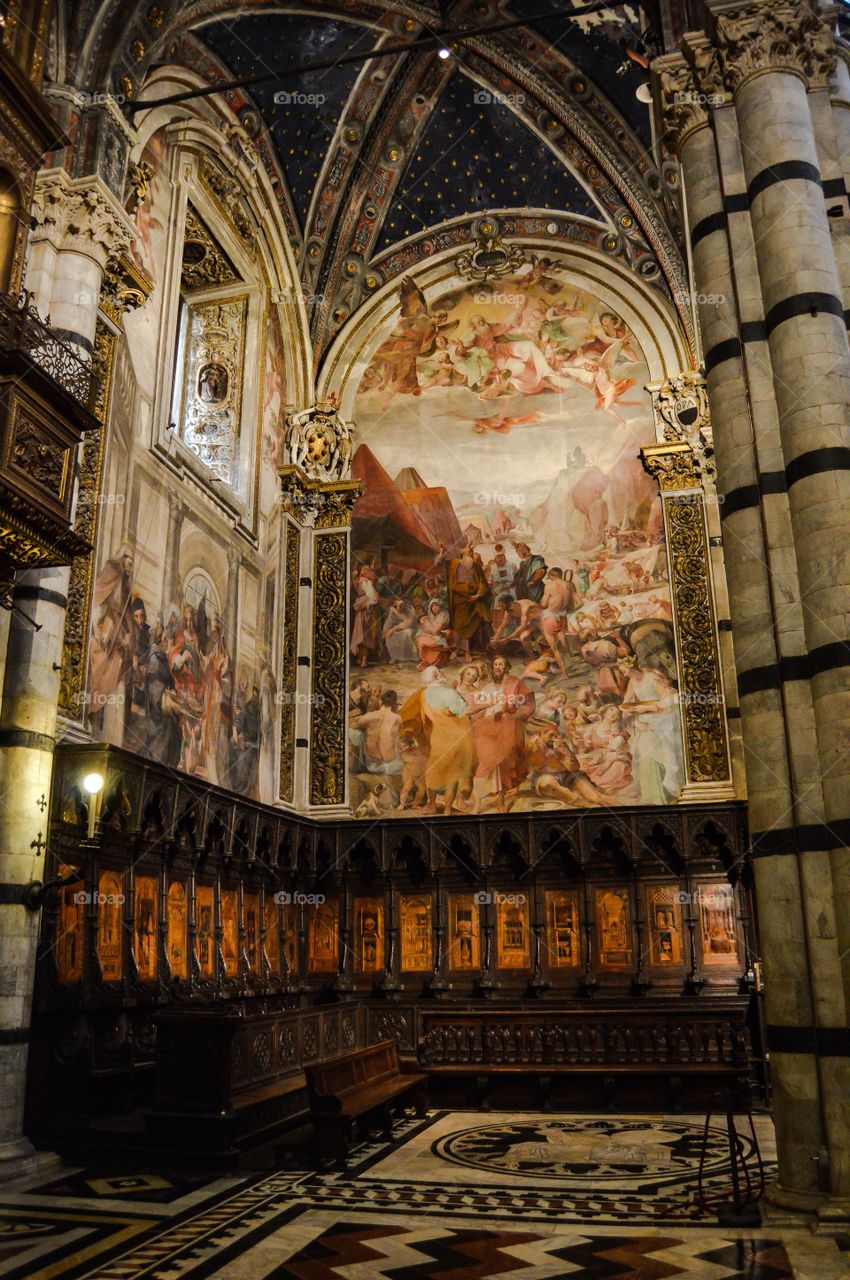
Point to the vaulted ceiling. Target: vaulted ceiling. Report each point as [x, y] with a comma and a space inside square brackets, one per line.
[376, 162]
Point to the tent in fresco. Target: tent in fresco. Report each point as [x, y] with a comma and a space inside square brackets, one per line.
[384, 528]
[434, 508]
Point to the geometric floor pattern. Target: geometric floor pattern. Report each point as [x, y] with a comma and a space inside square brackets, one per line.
[457, 1195]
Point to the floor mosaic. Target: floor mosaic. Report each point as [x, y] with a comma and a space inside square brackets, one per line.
[456, 1196]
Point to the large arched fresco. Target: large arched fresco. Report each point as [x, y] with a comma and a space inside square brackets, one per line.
[511, 635]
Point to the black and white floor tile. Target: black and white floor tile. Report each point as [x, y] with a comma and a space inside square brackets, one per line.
[520, 1195]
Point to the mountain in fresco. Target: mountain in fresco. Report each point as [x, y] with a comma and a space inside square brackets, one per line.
[409, 478]
[575, 513]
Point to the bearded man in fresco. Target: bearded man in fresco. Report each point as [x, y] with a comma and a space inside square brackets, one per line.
[502, 706]
[469, 597]
[162, 726]
[530, 575]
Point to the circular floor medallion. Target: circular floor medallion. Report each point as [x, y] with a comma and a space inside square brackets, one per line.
[589, 1150]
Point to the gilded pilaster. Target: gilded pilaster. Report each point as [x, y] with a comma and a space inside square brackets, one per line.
[676, 467]
[318, 496]
[288, 682]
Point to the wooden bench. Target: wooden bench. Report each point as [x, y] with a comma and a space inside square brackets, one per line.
[369, 1083]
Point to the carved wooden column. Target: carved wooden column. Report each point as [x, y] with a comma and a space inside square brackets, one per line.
[676, 467]
[318, 497]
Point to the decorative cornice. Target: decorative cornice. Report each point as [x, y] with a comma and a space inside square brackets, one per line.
[771, 35]
[317, 504]
[126, 286]
[80, 215]
[230, 197]
[205, 264]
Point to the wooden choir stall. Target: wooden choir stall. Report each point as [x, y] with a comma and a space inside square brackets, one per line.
[202, 954]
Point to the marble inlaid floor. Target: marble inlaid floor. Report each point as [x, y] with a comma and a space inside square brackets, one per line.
[458, 1195]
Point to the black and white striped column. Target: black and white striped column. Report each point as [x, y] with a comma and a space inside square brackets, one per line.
[27, 733]
[810, 359]
[754, 611]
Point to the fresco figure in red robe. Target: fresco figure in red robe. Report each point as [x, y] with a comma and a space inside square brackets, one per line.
[502, 707]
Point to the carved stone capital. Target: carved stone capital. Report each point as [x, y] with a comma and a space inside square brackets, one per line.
[673, 466]
[318, 442]
[80, 215]
[771, 35]
[681, 104]
[317, 504]
[682, 416]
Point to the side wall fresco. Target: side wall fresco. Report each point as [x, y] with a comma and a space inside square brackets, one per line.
[183, 626]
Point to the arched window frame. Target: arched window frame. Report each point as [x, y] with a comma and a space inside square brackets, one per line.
[238, 499]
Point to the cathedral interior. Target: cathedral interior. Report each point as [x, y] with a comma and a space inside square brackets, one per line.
[425, 849]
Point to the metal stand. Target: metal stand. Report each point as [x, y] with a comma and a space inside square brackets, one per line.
[742, 1209]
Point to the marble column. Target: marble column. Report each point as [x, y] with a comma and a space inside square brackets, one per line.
[27, 731]
[77, 225]
[772, 57]
[686, 105]
[778, 372]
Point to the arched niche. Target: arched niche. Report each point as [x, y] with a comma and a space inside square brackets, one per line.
[498, 434]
